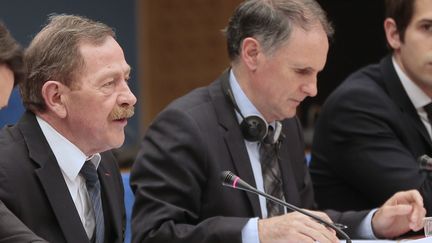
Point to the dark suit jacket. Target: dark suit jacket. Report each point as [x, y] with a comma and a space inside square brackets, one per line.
[33, 188]
[176, 177]
[12, 230]
[367, 140]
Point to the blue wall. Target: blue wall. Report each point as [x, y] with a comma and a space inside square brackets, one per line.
[25, 18]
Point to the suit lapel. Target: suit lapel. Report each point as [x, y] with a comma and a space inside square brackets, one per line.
[61, 203]
[243, 167]
[52, 180]
[396, 91]
[238, 152]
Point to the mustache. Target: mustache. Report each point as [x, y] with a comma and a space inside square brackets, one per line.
[120, 112]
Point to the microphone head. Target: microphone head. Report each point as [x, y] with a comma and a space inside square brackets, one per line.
[227, 178]
[422, 159]
[425, 162]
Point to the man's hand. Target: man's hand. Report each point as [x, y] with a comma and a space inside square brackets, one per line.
[295, 227]
[403, 212]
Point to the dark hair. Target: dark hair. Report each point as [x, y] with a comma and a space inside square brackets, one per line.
[271, 22]
[11, 54]
[402, 12]
[54, 54]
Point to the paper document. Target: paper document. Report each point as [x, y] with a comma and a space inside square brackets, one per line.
[424, 240]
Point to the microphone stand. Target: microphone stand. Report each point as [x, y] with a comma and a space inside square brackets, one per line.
[248, 188]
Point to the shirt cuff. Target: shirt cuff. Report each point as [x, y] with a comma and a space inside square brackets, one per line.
[365, 230]
[250, 231]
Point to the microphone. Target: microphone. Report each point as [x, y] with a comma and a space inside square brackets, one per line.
[229, 179]
[425, 163]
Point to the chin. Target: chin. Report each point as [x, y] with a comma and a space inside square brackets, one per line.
[117, 141]
[120, 142]
[289, 114]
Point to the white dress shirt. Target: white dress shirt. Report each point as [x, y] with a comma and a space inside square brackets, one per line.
[418, 98]
[71, 159]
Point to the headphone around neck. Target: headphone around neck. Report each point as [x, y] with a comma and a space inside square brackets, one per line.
[254, 128]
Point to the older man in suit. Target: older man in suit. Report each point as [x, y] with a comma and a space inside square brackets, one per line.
[57, 175]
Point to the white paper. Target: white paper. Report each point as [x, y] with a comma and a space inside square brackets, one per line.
[424, 240]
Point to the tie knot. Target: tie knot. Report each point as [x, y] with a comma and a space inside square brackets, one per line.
[88, 171]
[428, 108]
[268, 139]
[270, 129]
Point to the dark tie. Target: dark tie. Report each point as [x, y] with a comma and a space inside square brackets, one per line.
[428, 109]
[272, 177]
[88, 171]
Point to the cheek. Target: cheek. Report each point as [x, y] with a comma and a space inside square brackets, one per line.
[4, 95]
[88, 114]
[415, 51]
[285, 90]
[96, 115]
[6, 87]
[415, 62]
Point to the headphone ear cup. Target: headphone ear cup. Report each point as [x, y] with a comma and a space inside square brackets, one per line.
[253, 128]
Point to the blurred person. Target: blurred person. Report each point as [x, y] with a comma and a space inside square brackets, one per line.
[57, 173]
[11, 72]
[277, 48]
[11, 64]
[374, 127]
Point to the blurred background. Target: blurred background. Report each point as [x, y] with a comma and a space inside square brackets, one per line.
[174, 46]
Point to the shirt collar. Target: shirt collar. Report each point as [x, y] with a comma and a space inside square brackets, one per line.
[418, 98]
[244, 104]
[69, 157]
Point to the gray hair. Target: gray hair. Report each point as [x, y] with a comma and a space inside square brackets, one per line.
[271, 22]
[54, 54]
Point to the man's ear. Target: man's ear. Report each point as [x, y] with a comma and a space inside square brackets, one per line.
[392, 34]
[250, 51]
[53, 94]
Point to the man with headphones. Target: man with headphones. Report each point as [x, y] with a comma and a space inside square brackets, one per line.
[276, 49]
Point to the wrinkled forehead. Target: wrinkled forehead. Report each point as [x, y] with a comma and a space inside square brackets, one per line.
[102, 59]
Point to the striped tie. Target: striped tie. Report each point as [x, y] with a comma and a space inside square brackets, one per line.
[88, 171]
[272, 177]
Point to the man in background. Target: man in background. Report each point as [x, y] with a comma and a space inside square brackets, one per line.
[11, 64]
[57, 173]
[374, 127]
[11, 73]
[277, 48]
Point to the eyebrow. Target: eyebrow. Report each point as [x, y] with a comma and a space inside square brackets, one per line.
[425, 21]
[126, 72]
